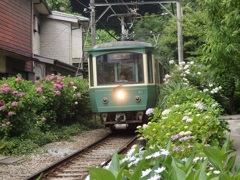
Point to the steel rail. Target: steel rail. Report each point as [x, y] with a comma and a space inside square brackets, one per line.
[71, 156]
[41, 174]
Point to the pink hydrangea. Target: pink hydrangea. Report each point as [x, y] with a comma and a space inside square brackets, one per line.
[59, 79]
[78, 95]
[8, 123]
[21, 94]
[57, 92]
[57, 86]
[15, 92]
[10, 113]
[5, 85]
[6, 89]
[71, 83]
[18, 79]
[14, 104]
[174, 137]
[39, 90]
[2, 107]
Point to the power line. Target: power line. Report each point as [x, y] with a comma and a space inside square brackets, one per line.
[82, 4]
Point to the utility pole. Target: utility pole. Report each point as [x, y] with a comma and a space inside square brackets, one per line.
[180, 37]
[93, 23]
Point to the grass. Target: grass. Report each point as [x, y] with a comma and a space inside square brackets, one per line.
[33, 139]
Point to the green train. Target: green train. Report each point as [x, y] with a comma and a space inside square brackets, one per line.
[124, 80]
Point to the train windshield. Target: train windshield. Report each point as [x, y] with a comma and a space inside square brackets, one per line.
[120, 67]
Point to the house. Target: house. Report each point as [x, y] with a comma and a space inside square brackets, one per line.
[36, 42]
[60, 49]
[16, 38]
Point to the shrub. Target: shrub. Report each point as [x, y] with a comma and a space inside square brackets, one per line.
[18, 105]
[54, 100]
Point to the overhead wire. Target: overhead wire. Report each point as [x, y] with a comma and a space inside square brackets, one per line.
[82, 4]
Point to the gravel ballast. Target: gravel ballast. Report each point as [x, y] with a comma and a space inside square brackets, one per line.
[48, 154]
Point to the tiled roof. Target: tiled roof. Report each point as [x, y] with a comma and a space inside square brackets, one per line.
[58, 13]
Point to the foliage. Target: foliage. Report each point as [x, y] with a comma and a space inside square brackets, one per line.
[60, 5]
[185, 80]
[102, 36]
[158, 163]
[221, 48]
[164, 35]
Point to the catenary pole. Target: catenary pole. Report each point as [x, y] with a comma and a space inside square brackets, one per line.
[180, 37]
[93, 23]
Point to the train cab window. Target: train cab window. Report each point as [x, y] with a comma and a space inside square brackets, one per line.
[91, 70]
[150, 67]
[120, 67]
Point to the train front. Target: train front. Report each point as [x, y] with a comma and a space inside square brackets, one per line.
[122, 83]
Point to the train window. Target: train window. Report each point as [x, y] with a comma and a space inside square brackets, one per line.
[91, 70]
[150, 68]
[124, 67]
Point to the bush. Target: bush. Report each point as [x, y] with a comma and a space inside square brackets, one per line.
[30, 110]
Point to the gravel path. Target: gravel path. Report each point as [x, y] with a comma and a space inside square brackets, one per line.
[49, 154]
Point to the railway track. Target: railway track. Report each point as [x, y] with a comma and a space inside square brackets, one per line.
[75, 166]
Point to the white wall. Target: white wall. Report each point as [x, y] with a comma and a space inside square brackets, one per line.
[56, 40]
[77, 43]
[35, 33]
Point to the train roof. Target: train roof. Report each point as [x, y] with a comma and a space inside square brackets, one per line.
[123, 44]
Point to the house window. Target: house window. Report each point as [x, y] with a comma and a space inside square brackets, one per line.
[36, 25]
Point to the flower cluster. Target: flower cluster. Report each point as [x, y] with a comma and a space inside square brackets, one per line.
[137, 155]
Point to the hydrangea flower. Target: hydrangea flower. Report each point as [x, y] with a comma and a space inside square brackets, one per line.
[159, 170]
[149, 111]
[146, 172]
[171, 62]
[39, 90]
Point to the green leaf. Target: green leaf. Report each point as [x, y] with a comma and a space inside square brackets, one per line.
[177, 173]
[204, 165]
[100, 174]
[114, 166]
[189, 161]
[200, 175]
[138, 172]
[230, 163]
[237, 168]
[215, 156]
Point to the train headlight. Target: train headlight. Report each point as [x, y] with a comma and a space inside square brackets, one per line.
[120, 94]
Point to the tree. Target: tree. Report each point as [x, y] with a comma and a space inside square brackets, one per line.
[60, 5]
[164, 33]
[223, 38]
[102, 37]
